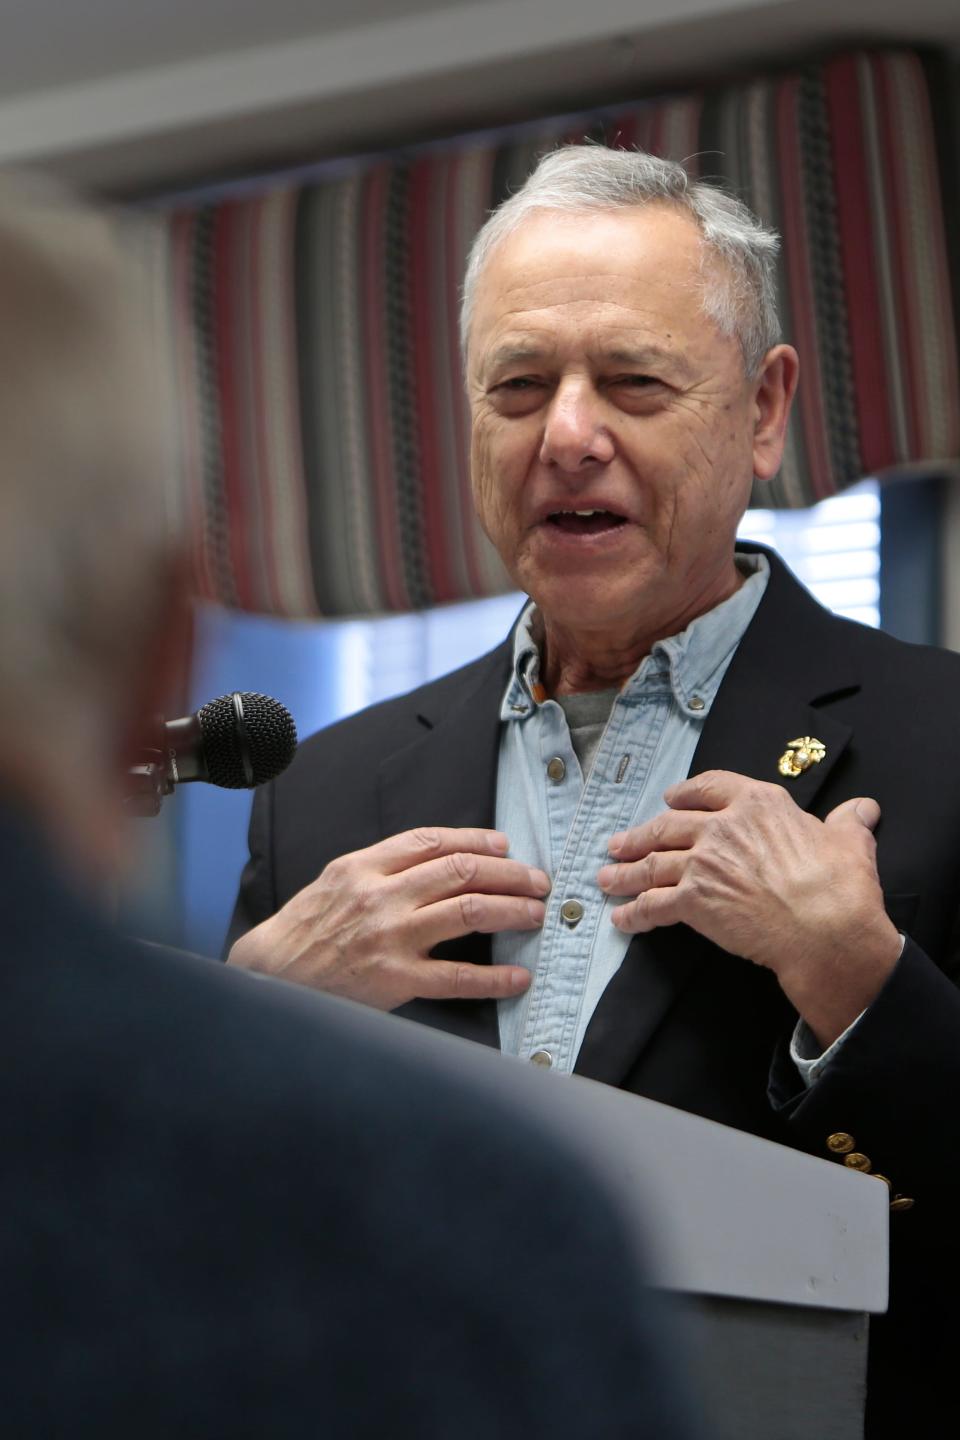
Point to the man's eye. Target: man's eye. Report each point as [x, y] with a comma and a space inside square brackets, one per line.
[517, 382]
[637, 382]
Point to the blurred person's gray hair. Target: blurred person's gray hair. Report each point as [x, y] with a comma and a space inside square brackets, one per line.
[86, 540]
[739, 253]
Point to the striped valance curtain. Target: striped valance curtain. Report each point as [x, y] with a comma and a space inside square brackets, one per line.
[313, 328]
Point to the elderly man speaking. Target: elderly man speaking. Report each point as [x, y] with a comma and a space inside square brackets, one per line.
[654, 796]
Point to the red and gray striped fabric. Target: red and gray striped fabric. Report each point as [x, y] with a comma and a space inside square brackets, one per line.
[314, 329]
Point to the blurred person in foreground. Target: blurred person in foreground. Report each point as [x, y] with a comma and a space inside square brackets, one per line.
[676, 741]
[230, 1208]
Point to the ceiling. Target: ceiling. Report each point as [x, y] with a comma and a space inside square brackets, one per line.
[50, 43]
[136, 96]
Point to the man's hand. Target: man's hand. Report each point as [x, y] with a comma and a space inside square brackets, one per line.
[740, 862]
[366, 926]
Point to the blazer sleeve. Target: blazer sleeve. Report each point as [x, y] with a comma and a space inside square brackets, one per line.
[257, 897]
[892, 1087]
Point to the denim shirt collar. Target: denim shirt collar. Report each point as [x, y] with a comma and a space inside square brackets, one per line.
[693, 662]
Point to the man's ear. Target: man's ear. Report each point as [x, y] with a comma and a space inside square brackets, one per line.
[775, 388]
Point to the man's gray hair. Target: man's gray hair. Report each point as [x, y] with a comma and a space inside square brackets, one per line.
[739, 292]
[86, 545]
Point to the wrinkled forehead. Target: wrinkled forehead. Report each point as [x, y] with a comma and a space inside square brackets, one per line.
[620, 272]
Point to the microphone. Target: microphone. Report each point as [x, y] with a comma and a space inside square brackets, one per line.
[237, 741]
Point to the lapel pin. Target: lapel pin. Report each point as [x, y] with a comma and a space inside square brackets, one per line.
[799, 755]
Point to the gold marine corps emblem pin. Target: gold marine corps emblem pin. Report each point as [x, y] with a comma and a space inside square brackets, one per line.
[799, 755]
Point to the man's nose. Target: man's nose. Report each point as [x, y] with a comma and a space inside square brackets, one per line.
[574, 436]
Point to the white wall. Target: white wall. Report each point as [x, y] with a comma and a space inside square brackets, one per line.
[132, 95]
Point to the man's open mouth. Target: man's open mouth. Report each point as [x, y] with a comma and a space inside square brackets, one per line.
[585, 522]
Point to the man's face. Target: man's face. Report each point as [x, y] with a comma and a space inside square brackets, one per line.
[596, 383]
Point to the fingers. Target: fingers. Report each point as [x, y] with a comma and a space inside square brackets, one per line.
[458, 980]
[671, 830]
[472, 913]
[713, 790]
[862, 812]
[652, 885]
[692, 804]
[650, 910]
[660, 868]
[463, 872]
[429, 842]
[401, 897]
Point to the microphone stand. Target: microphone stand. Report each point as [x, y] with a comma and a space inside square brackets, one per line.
[173, 753]
[147, 782]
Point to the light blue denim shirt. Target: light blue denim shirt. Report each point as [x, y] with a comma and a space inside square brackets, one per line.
[562, 822]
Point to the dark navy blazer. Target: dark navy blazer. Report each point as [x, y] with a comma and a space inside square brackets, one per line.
[683, 1022]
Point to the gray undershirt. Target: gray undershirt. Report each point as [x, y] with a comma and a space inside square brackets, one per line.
[587, 716]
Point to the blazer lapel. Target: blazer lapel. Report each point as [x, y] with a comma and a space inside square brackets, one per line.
[448, 777]
[777, 689]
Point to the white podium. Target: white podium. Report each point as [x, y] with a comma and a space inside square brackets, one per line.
[775, 1259]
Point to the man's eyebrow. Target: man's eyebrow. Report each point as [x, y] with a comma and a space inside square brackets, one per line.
[635, 357]
[514, 355]
[642, 356]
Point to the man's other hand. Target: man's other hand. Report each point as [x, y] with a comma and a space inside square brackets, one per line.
[365, 927]
[738, 861]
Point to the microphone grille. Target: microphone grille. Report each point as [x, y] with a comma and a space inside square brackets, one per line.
[271, 739]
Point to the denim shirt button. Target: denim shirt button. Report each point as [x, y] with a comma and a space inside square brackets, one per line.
[571, 912]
